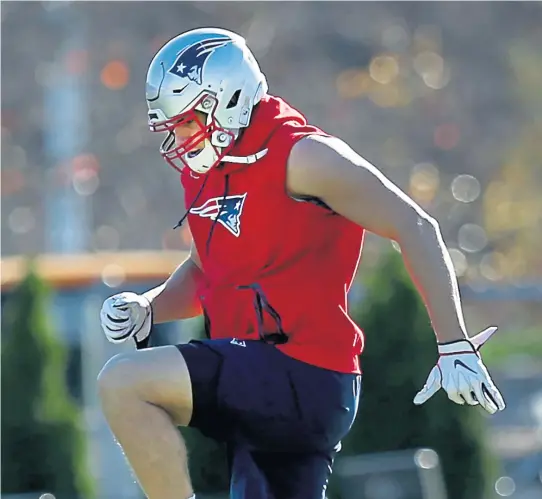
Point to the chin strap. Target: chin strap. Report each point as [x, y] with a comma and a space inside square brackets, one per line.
[245, 160]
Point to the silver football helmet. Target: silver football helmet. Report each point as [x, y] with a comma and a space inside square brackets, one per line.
[209, 70]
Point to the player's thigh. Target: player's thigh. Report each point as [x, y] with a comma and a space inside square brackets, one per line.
[241, 391]
[246, 396]
[158, 376]
[279, 404]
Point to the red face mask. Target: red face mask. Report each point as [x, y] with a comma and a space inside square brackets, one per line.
[183, 154]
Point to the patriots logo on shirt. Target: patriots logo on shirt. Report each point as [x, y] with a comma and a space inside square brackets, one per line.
[228, 209]
[190, 62]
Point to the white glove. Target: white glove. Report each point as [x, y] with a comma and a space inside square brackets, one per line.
[462, 374]
[126, 315]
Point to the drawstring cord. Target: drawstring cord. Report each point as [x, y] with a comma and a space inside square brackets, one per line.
[217, 218]
[260, 305]
[185, 216]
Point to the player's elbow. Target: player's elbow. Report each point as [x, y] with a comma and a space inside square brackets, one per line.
[427, 222]
[416, 223]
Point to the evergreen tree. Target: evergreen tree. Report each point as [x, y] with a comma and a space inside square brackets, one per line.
[43, 448]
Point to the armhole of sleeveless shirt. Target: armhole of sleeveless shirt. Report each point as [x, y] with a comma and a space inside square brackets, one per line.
[313, 200]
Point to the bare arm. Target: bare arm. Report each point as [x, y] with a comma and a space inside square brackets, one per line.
[330, 170]
[177, 298]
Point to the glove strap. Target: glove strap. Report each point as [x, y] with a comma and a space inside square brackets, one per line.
[456, 347]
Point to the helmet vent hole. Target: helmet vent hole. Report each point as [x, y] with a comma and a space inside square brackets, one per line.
[234, 99]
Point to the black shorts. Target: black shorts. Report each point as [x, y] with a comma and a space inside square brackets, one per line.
[281, 419]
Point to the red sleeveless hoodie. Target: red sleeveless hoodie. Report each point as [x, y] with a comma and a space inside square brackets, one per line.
[274, 267]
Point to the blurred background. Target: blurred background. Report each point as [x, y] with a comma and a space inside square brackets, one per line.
[444, 97]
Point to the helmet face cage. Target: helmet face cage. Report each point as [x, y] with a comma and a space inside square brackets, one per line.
[210, 133]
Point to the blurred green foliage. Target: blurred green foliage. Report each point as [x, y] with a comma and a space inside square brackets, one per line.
[43, 445]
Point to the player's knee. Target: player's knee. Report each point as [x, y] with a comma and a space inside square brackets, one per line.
[158, 376]
[118, 376]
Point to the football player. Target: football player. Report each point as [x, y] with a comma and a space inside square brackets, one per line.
[277, 209]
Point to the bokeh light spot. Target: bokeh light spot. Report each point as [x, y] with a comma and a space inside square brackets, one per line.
[465, 188]
[115, 75]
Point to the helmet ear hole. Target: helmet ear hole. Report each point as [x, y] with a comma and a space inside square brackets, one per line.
[234, 99]
[220, 138]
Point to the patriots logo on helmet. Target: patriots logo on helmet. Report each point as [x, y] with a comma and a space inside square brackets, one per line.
[228, 209]
[190, 62]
